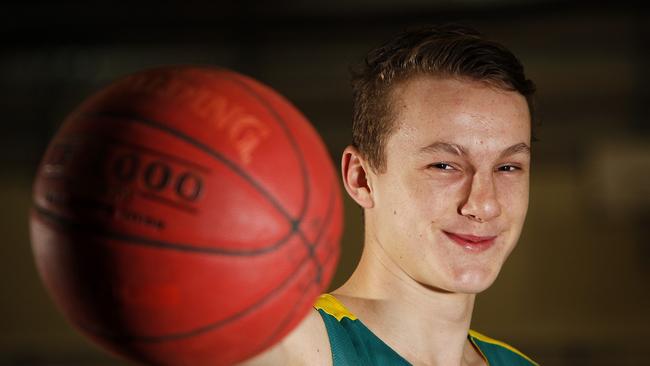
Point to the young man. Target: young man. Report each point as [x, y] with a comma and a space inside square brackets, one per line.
[440, 165]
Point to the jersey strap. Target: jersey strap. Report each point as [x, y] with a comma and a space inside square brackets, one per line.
[497, 352]
[352, 343]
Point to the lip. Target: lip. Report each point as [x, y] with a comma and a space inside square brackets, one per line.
[472, 243]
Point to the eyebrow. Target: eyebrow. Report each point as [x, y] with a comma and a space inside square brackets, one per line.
[520, 148]
[444, 147]
[455, 149]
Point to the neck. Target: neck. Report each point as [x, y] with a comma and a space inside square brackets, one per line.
[423, 324]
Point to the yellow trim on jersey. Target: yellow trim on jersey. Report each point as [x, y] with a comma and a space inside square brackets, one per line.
[480, 351]
[486, 339]
[333, 307]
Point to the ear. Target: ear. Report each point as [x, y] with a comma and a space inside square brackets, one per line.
[354, 170]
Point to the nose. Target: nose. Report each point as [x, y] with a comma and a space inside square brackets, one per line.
[480, 203]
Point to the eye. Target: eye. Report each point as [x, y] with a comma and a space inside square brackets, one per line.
[442, 166]
[508, 168]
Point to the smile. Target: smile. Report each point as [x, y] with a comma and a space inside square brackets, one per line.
[471, 242]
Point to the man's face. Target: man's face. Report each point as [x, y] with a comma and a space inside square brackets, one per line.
[451, 203]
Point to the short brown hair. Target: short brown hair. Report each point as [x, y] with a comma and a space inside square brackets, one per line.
[448, 51]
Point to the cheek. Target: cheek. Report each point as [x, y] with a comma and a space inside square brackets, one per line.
[514, 198]
[405, 212]
[432, 199]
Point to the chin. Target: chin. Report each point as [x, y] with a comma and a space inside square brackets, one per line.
[472, 280]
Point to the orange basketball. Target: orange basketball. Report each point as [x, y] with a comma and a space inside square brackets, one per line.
[186, 216]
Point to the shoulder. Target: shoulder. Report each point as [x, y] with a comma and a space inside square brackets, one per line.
[498, 352]
[308, 344]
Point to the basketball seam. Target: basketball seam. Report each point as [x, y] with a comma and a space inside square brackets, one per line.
[216, 325]
[203, 147]
[144, 241]
[296, 224]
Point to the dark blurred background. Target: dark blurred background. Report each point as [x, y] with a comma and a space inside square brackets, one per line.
[575, 291]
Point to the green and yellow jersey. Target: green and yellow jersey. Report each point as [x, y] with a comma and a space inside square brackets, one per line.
[353, 344]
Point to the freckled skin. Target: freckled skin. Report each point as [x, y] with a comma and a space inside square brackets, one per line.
[475, 193]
